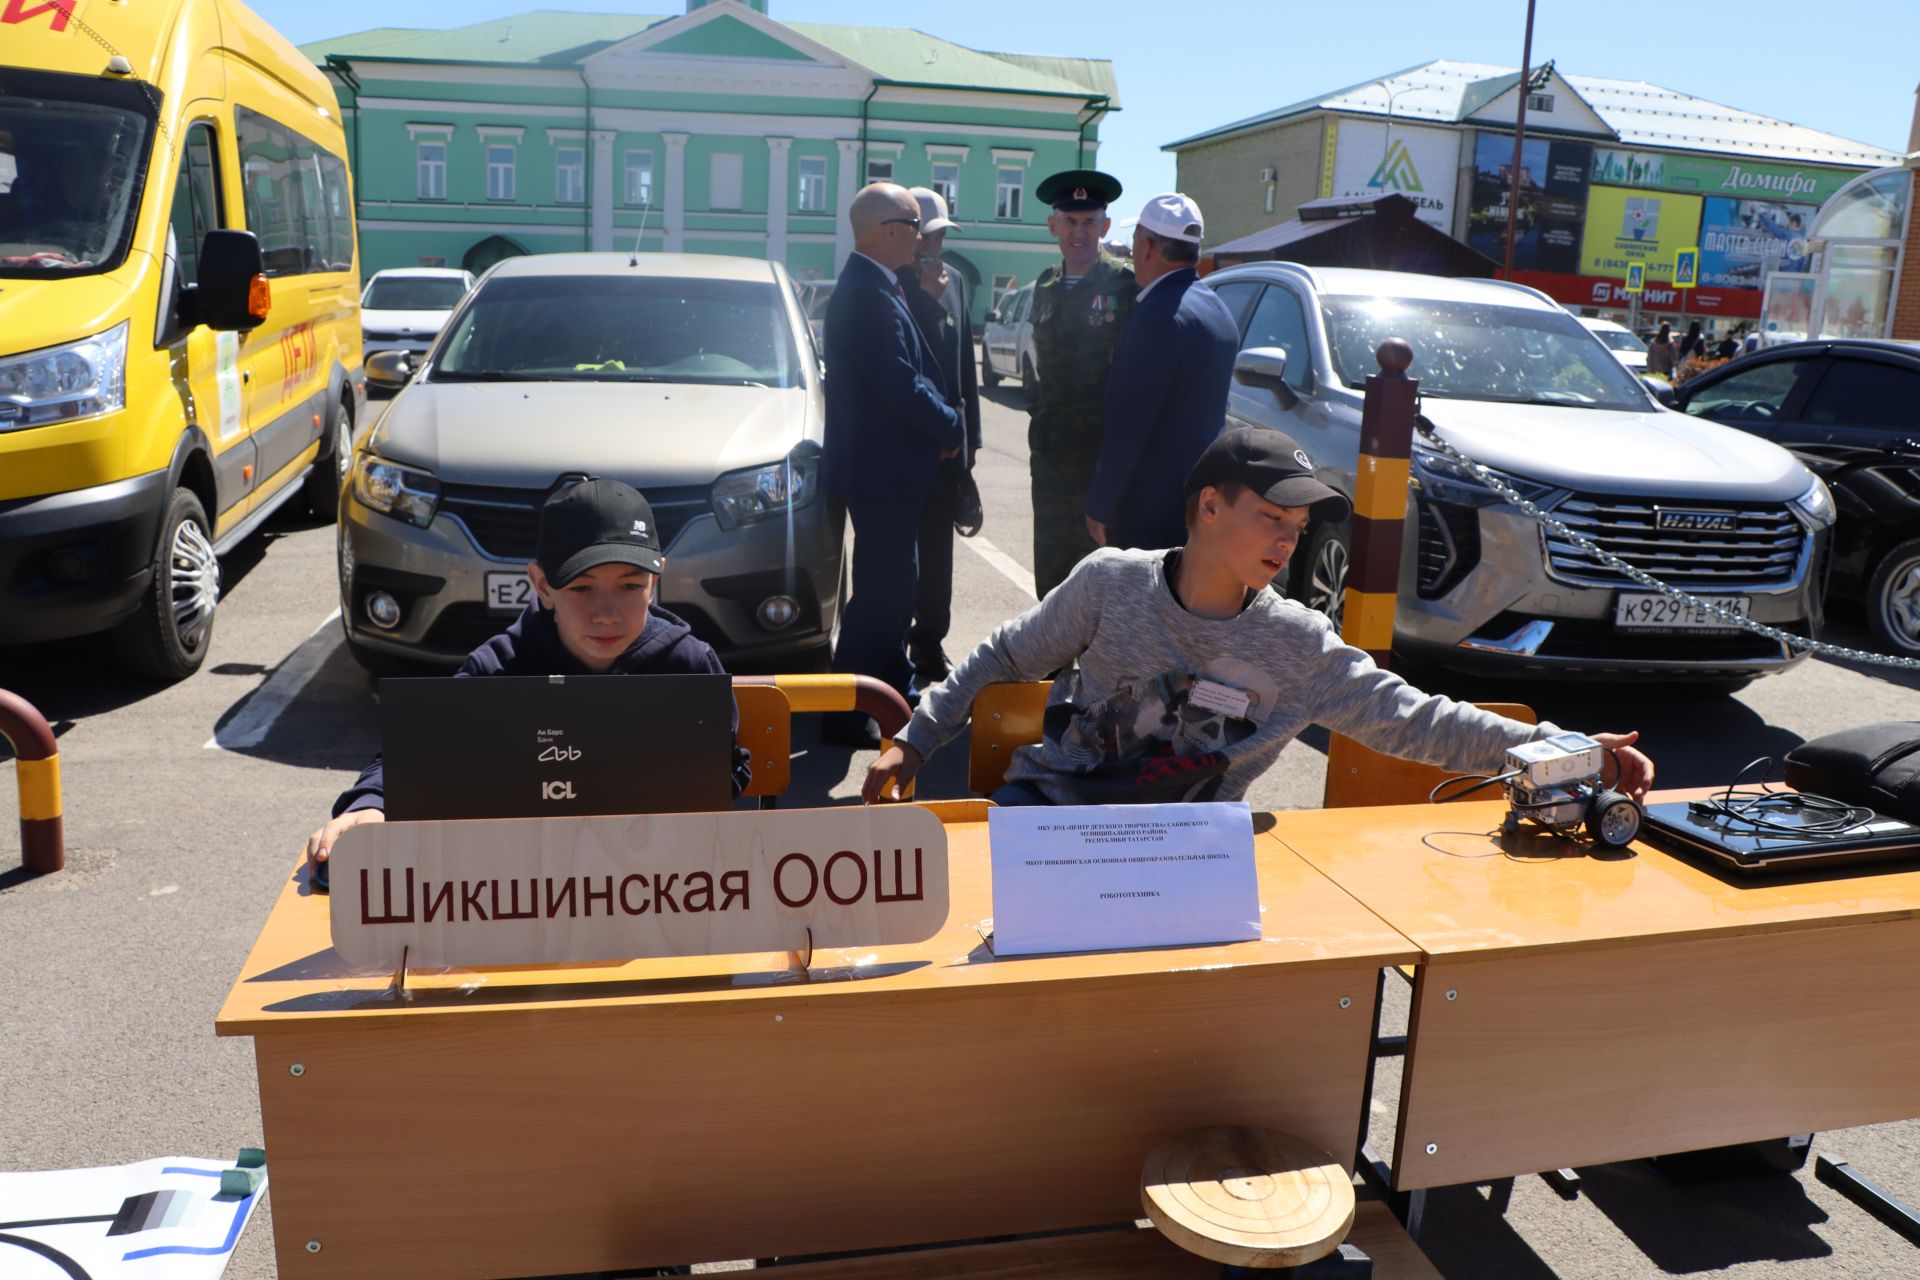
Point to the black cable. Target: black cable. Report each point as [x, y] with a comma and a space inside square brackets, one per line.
[1480, 782]
[1762, 811]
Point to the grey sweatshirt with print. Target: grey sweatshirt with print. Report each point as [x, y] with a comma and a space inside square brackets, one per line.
[1166, 706]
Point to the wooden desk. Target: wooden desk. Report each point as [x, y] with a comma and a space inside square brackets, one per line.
[1572, 1008]
[554, 1120]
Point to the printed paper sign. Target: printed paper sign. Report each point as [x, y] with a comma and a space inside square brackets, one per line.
[569, 890]
[1121, 877]
[156, 1220]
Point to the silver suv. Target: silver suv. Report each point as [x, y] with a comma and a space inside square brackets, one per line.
[691, 377]
[1512, 381]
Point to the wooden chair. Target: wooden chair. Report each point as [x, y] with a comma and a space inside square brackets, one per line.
[1005, 717]
[1358, 776]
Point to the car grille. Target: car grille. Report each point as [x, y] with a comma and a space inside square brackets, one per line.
[505, 523]
[1448, 548]
[1757, 547]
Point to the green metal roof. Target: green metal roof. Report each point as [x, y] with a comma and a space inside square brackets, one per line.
[550, 37]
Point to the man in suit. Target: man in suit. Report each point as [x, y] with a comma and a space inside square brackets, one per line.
[1167, 387]
[889, 427]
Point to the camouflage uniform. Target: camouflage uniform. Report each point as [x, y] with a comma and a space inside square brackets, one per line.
[1074, 332]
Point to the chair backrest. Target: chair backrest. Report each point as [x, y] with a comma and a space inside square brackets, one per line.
[766, 731]
[1005, 717]
[1358, 776]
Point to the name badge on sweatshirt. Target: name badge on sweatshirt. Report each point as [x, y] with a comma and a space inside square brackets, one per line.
[1224, 698]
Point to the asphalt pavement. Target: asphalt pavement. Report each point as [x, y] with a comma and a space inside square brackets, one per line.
[186, 807]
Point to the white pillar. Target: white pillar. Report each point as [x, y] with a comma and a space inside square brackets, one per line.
[777, 149]
[676, 215]
[603, 189]
[842, 227]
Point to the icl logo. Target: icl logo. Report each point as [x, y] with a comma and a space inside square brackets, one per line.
[556, 791]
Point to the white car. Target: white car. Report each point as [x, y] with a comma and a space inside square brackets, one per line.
[1622, 341]
[1006, 344]
[404, 309]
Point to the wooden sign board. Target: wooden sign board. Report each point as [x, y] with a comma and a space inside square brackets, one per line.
[570, 890]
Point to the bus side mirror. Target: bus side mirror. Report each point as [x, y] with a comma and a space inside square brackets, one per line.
[233, 295]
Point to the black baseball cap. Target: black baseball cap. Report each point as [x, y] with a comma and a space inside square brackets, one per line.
[1075, 190]
[1273, 466]
[596, 522]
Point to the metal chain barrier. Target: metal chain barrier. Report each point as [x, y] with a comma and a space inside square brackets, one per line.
[1491, 479]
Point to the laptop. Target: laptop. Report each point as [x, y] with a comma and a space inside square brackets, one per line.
[1686, 826]
[556, 746]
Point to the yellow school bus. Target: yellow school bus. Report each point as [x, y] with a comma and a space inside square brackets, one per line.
[179, 312]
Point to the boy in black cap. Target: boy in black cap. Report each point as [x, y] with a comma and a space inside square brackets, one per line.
[596, 570]
[1183, 674]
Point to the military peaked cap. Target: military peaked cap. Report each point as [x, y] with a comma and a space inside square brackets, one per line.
[1079, 189]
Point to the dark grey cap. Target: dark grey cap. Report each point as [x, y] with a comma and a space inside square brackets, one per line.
[1273, 466]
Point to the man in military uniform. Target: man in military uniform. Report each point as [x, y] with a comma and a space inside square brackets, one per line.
[1080, 305]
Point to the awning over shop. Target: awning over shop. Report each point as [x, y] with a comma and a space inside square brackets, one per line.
[1377, 231]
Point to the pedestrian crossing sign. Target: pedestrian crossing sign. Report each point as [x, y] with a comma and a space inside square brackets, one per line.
[1636, 277]
[1686, 268]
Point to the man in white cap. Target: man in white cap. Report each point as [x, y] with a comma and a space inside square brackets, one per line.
[1167, 387]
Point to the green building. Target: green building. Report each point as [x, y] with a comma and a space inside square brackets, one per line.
[718, 130]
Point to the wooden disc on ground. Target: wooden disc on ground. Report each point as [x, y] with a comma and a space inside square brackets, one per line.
[1249, 1197]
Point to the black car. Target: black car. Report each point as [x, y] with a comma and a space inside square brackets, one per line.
[1851, 411]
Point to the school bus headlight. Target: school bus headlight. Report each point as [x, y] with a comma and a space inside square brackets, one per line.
[82, 379]
[404, 493]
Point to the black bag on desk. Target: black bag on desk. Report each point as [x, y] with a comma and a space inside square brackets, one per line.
[1877, 765]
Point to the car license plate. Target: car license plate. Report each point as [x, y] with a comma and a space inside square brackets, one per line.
[509, 592]
[1634, 611]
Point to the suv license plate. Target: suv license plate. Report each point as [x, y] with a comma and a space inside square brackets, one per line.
[509, 592]
[1635, 611]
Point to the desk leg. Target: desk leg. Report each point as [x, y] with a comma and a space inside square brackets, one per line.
[1869, 1195]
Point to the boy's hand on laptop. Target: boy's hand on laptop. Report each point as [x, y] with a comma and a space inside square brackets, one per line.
[891, 774]
[1636, 769]
[320, 843]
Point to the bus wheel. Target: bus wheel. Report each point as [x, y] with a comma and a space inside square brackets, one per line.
[170, 635]
[330, 466]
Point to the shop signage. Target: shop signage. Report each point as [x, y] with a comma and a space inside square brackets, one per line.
[1553, 201]
[576, 890]
[1700, 175]
[1423, 165]
[1625, 227]
[1595, 291]
[1742, 240]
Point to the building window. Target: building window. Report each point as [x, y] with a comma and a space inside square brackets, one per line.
[879, 171]
[813, 184]
[1007, 193]
[570, 175]
[639, 177]
[500, 173]
[946, 180]
[1002, 286]
[725, 172]
[1540, 102]
[430, 164]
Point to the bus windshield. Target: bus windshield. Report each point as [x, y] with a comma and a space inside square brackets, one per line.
[73, 156]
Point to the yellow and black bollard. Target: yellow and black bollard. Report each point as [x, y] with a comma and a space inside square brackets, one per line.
[1380, 502]
[37, 766]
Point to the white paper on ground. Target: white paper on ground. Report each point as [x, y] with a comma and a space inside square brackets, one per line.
[157, 1220]
[1121, 877]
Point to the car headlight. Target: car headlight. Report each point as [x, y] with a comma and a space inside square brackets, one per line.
[82, 379]
[1445, 480]
[743, 497]
[1816, 504]
[405, 493]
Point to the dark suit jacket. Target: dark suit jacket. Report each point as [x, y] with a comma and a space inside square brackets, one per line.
[1166, 401]
[888, 420]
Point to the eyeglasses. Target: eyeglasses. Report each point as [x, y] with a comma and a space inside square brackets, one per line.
[910, 222]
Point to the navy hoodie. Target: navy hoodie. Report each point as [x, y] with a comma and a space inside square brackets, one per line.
[532, 647]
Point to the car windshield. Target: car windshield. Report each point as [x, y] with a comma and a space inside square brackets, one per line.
[1620, 341]
[414, 293]
[1476, 351]
[73, 155]
[621, 328]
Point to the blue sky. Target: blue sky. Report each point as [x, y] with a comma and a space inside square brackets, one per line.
[1846, 66]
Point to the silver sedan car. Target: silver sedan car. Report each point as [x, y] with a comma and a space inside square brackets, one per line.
[691, 377]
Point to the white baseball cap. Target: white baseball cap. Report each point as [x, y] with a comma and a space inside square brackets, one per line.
[933, 211]
[1174, 216]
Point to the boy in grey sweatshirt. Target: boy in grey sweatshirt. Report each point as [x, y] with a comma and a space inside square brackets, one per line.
[1183, 673]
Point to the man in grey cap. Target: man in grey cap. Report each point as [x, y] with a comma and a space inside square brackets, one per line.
[1167, 387]
[1080, 305]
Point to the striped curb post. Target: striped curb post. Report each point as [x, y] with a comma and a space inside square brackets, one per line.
[37, 766]
[1380, 502]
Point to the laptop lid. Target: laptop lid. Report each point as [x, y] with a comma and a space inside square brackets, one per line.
[556, 746]
[1689, 827]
